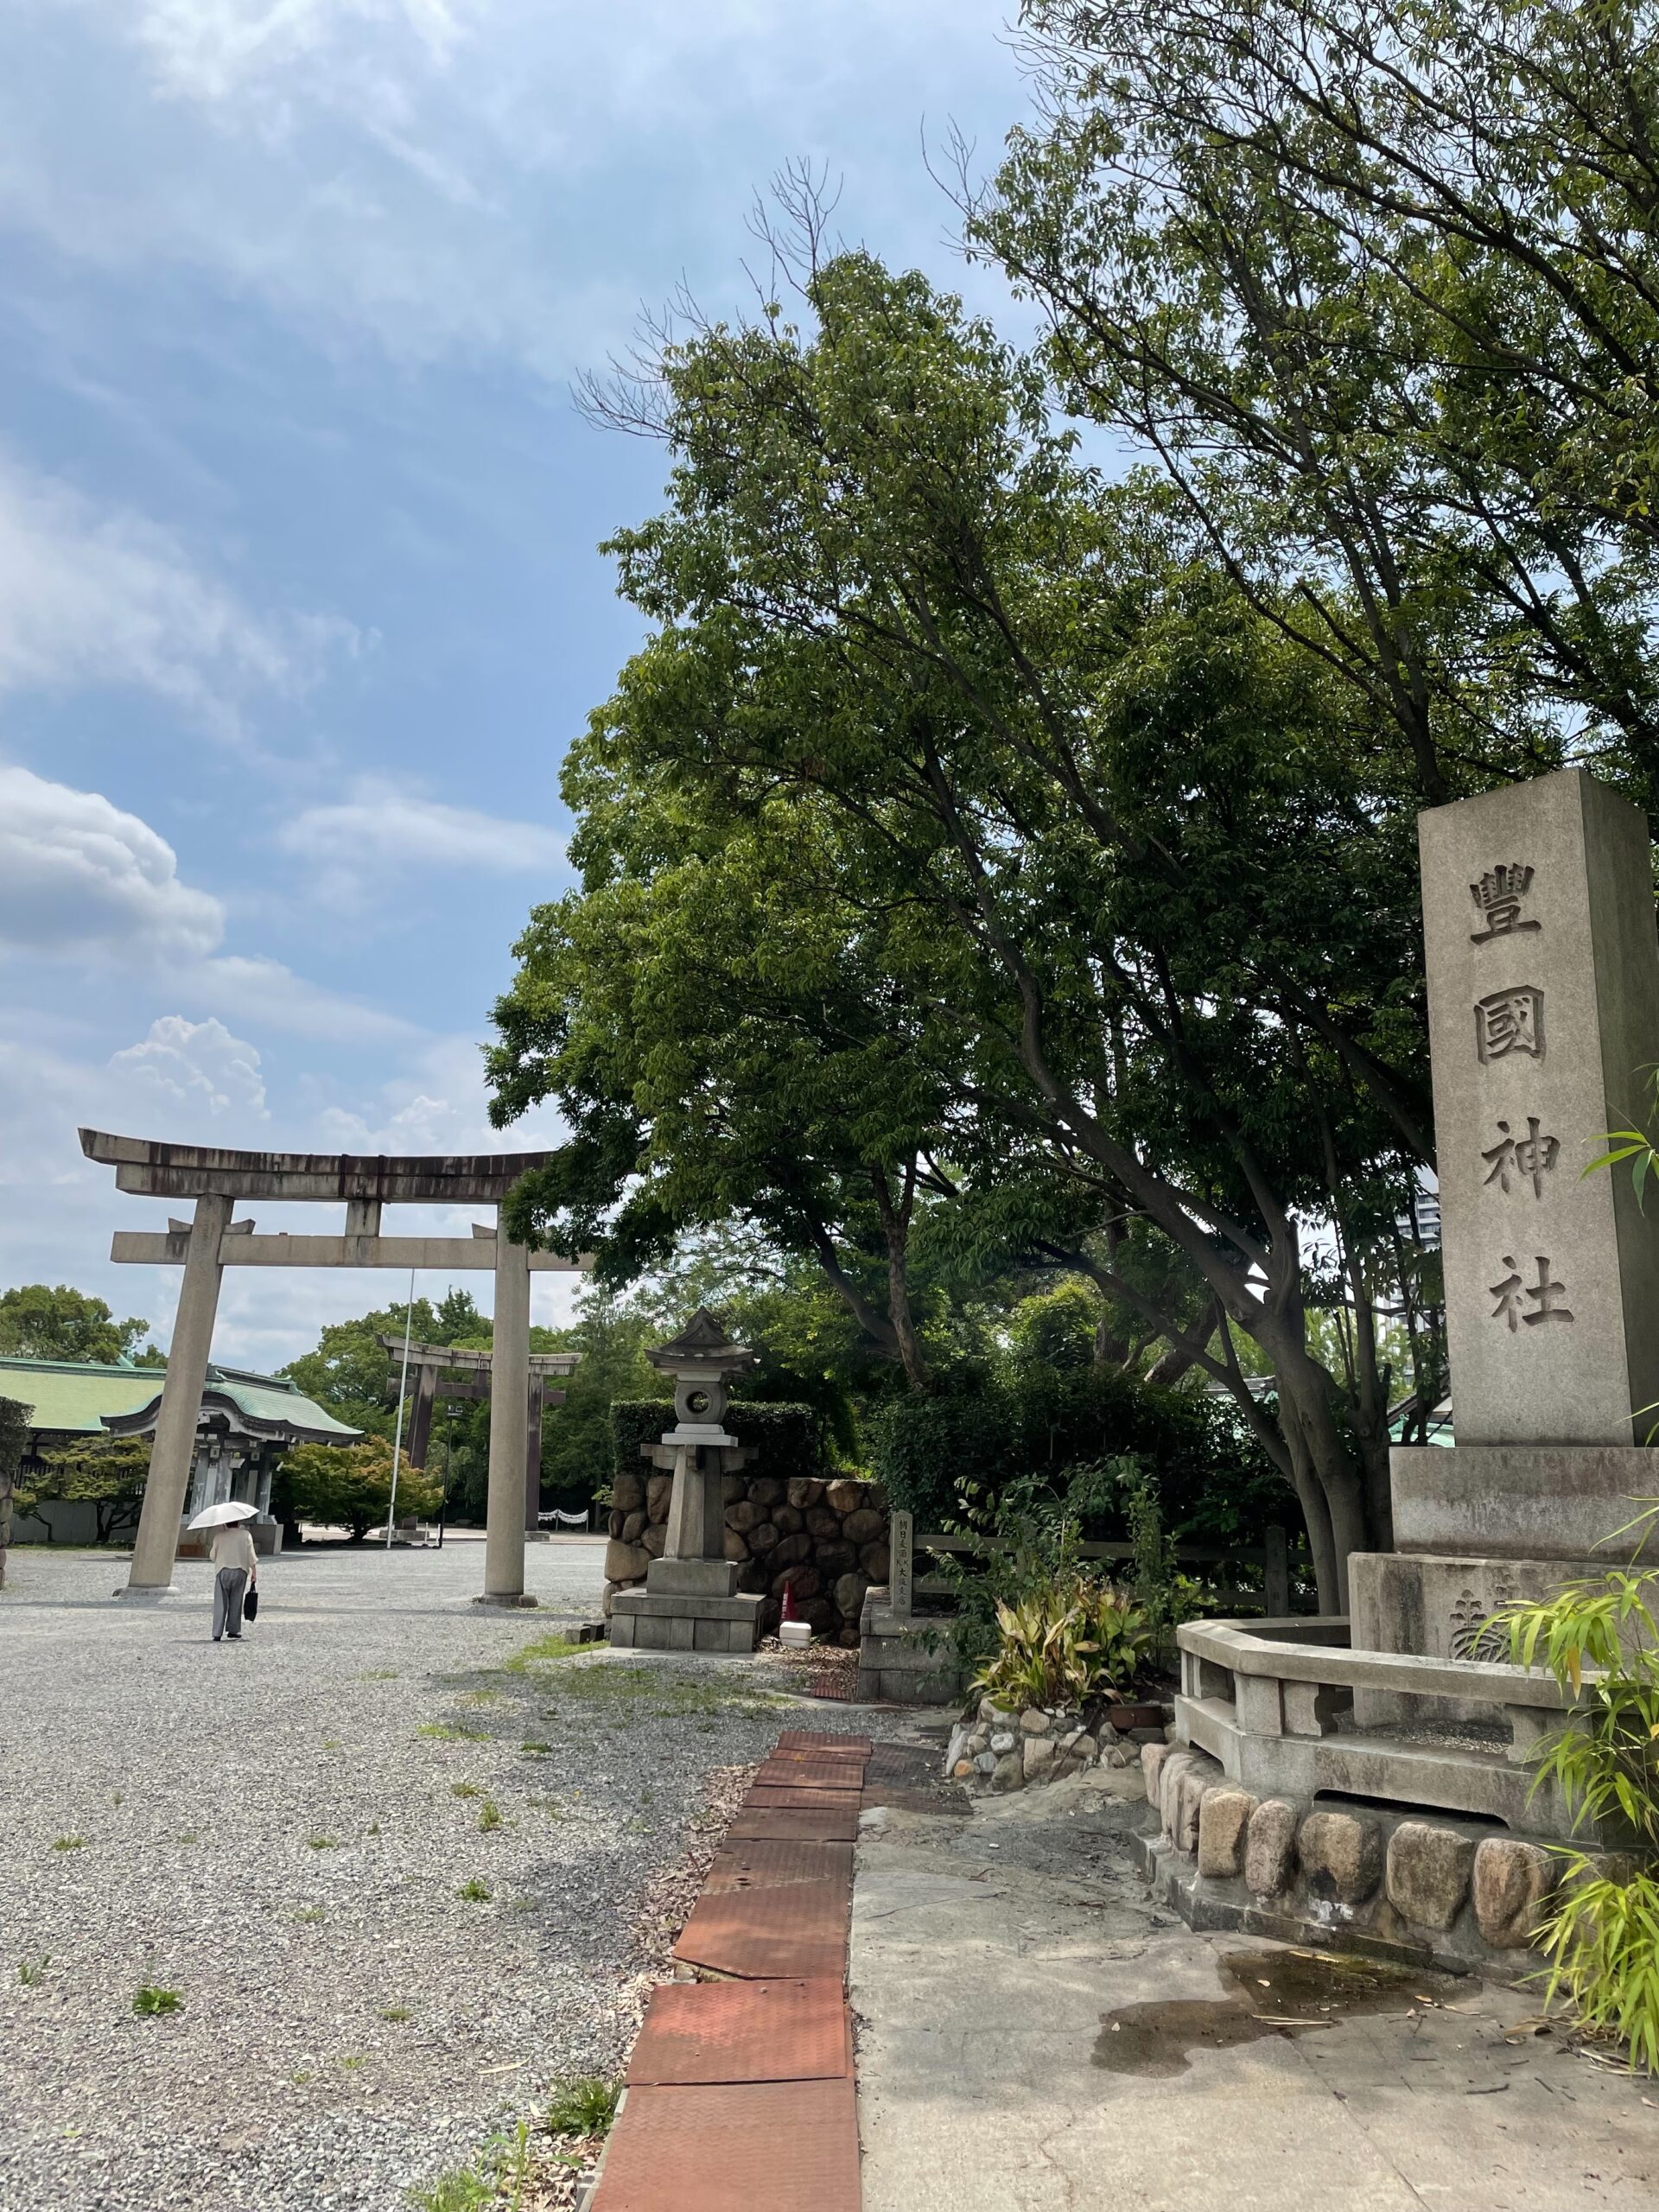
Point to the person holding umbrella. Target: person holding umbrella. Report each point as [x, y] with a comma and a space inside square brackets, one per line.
[235, 1561]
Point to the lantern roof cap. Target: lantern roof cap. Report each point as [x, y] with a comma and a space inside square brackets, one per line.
[703, 1342]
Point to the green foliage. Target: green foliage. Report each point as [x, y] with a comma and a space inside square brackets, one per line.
[788, 1441]
[354, 1376]
[585, 2105]
[474, 1891]
[983, 1433]
[109, 1473]
[1601, 1937]
[38, 1322]
[151, 2003]
[350, 1485]
[14, 1433]
[1066, 1643]
[543, 1651]
[463, 2189]
[1600, 1642]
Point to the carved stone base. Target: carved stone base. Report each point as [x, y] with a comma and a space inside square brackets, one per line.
[656, 1620]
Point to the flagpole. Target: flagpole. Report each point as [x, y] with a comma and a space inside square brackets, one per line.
[403, 1387]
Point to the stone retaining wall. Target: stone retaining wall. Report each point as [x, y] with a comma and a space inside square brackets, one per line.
[1432, 1885]
[999, 1747]
[827, 1541]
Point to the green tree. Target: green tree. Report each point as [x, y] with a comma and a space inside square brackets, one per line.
[717, 1025]
[1146, 867]
[353, 1374]
[1372, 283]
[108, 1473]
[38, 1322]
[350, 1485]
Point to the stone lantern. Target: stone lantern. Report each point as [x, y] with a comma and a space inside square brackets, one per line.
[690, 1601]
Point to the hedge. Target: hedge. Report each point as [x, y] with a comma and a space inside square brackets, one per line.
[1215, 1483]
[15, 1420]
[790, 1440]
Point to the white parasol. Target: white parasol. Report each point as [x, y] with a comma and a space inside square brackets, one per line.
[219, 1516]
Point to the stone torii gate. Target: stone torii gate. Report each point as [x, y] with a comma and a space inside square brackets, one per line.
[448, 1371]
[211, 1242]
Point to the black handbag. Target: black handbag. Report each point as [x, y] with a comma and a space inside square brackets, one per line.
[251, 1605]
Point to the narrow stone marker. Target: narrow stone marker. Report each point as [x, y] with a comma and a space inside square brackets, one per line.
[740, 2091]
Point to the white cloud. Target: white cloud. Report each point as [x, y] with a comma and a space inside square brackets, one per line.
[93, 595]
[466, 177]
[193, 1064]
[264, 991]
[353, 848]
[79, 876]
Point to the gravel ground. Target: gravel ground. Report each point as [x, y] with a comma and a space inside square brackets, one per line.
[279, 1831]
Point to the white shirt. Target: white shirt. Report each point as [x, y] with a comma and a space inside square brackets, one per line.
[234, 1546]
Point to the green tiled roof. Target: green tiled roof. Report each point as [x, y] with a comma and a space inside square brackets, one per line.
[75, 1398]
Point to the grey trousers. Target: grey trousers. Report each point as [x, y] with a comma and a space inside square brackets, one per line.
[230, 1585]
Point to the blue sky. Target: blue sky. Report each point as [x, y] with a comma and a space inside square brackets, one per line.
[300, 598]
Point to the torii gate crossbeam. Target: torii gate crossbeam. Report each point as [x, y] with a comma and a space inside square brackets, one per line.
[211, 1242]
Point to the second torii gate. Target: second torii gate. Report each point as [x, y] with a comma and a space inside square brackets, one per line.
[448, 1371]
[211, 1242]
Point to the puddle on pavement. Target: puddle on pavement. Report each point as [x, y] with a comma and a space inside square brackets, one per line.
[1277, 1993]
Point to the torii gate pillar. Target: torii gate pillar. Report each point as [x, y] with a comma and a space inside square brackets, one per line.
[173, 1451]
[504, 1549]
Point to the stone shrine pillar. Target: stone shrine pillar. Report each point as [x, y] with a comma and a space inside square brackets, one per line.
[690, 1601]
[173, 1455]
[1543, 960]
[504, 1547]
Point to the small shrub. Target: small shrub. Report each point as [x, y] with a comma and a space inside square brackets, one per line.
[1074, 1641]
[475, 1892]
[150, 2002]
[466, 1790]
[68, 1843]
[585, 2105]
[489, 1815]
[32, 1972]
[1600, 1641]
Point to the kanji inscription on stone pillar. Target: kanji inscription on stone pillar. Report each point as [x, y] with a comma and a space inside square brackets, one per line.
[1543, 1003]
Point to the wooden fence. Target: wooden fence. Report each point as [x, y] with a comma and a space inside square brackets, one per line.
[1272, 1556]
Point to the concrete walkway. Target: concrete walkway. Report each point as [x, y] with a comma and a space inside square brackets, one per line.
[1034, 2034]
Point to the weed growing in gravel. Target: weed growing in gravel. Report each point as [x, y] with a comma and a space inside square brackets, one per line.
[555, 1806]
[464, 2188]
[482, 1697]
[397, 2013]
[68, 1843]
[32, 1972]
[354, 2065]
[322, 1843]
[149, 2001]
[302, 2077]
[466, 1790]
[535, 1750]
[544, 1651]
[450, 1732]
[310, 1915]
[586, 2105]
[333, 1743]
[489, 1815]
[475, 1892]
